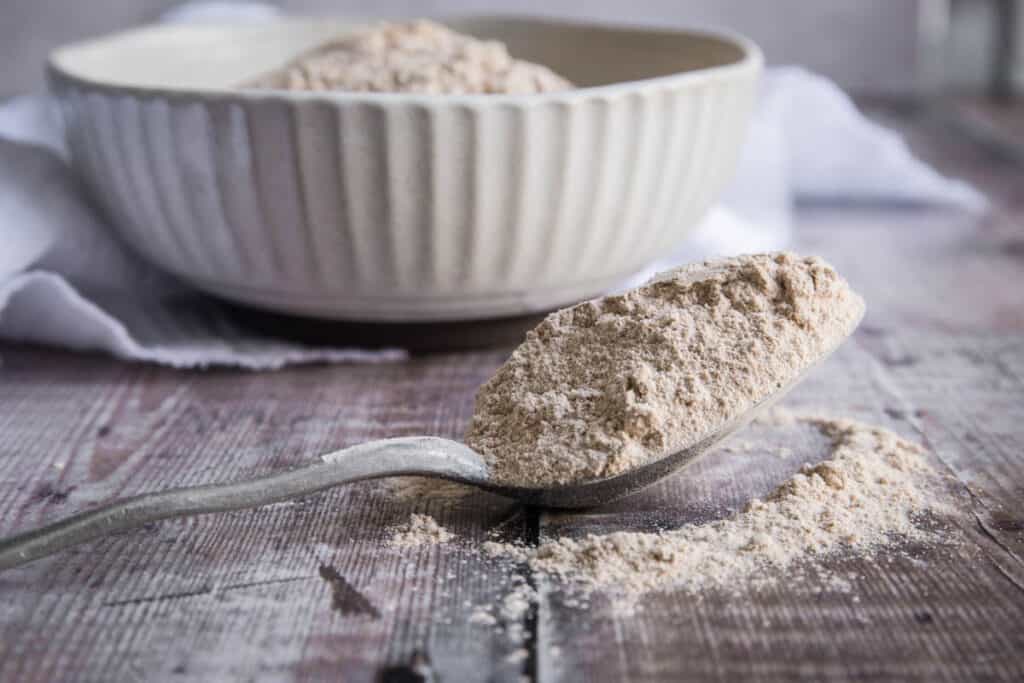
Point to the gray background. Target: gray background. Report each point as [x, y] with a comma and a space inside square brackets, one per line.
[888, 47]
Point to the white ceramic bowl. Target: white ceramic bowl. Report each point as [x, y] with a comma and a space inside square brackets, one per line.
[394, 207]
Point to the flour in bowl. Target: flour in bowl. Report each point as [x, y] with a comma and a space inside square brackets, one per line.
[415, 57]
[609, 384]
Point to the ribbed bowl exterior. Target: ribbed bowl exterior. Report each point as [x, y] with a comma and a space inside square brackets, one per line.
[388, 209]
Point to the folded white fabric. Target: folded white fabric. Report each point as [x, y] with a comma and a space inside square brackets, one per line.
[65, 280]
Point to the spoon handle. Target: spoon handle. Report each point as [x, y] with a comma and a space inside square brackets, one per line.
[429, 456]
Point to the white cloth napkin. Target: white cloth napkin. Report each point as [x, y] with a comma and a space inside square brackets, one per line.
[66, 281]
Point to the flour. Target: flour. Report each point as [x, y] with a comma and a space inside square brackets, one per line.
[778, 417]
[482, 617]
[871, 489]
[415, 57]
[514, 551]
[868, 493]
[609, 384]
[418, 531]
[513, 608]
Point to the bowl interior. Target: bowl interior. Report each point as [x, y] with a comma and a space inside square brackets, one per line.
[218, 57]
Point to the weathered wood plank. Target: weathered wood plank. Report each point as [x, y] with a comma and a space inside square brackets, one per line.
[304, 591]
[966, 400]
[926, 613]
[939, 359]
[241, 595]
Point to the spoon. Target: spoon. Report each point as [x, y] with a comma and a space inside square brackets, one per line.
[427, 456]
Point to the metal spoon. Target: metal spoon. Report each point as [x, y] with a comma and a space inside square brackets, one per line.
[415, 455]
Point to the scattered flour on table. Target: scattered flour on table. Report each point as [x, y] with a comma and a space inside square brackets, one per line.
[509, 612]
[870, 489]
[868, 493]
[779, 416]
[420, 530]
[482, 617]
[739, 446]
[604, 386]
[414, 57]
[513, 551]
[513, 608]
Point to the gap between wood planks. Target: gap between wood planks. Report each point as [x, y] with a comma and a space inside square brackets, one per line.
[988, 533]
[204, 590]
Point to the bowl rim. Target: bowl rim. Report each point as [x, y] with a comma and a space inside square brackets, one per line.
[750, 62]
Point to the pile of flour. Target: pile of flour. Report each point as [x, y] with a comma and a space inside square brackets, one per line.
[415, 57]
[606, 385]
[420, 530]
[872, 488]
[868, 493]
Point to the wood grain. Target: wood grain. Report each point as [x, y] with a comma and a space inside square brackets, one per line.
[946, 612]
[303, 590]
[307, 591]
[939, 359]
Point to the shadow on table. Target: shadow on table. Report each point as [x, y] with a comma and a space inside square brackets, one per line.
[418, 337]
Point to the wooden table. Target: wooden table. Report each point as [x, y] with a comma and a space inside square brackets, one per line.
[306, 591]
